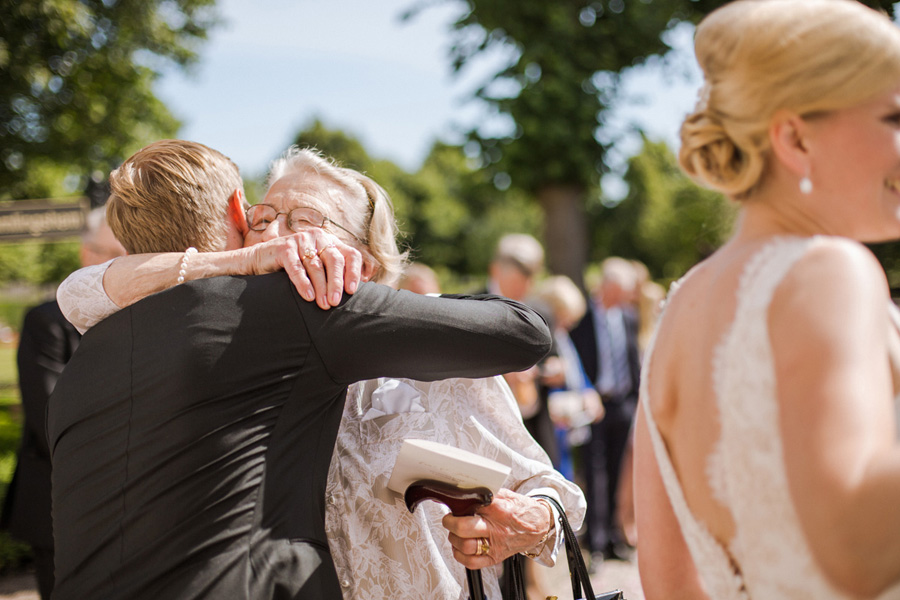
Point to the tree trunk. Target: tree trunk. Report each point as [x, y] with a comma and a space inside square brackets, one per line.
[565, 230]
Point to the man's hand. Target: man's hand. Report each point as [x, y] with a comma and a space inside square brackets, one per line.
[512, 523]
[320, 265]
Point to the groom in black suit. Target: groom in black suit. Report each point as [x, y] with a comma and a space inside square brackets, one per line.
[192, 431]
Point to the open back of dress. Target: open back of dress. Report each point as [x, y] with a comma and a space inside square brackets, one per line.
[768, 557]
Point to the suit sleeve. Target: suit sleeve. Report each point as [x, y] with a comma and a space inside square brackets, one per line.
[381, 332]
[43, 353]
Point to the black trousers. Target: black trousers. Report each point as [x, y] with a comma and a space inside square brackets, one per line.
[602, 465]
[43, 571]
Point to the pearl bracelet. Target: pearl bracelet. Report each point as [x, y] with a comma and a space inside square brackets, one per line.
[539, 547]
[184, 263]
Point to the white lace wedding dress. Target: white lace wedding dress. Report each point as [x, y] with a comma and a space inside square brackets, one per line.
[769, 556]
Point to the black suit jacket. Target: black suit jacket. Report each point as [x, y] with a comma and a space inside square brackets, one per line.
[192, 432]
[584, 337]
[46, 343]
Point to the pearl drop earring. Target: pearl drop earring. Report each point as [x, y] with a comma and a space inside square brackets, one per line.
[806, 186]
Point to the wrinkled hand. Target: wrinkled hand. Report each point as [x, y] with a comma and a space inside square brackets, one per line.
[512, 523]
[320, 265]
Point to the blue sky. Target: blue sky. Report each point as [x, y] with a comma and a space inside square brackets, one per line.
[274, 65]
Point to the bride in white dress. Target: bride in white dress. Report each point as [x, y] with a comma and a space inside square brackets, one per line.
[767, 460]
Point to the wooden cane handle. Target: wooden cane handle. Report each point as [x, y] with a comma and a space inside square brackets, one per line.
[462, 502]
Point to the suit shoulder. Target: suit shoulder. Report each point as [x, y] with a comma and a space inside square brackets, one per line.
[47, 317]
[48, 311]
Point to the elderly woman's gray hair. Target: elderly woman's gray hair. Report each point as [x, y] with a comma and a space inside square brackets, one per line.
[365, 209]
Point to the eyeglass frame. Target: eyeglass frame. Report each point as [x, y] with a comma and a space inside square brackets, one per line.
[289, 220]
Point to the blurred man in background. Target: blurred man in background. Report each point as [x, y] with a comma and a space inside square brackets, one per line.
[607, 343]
[518, 260]
[46, 343]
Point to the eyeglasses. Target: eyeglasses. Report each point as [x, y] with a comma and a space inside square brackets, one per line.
[260, 215]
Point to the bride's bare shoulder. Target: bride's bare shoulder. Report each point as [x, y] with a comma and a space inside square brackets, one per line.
[834, 273]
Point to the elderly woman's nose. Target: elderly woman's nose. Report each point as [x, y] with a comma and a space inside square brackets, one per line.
[276, 228]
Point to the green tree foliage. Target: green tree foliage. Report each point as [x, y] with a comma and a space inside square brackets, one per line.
[666, 221]
[344, 148]
[565, 60]
[76, 82]
[38, 264]
[458, 214]
[449, 211]
[889, 256]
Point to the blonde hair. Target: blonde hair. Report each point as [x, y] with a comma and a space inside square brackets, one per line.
[171, 195]
[760, 56]
[521, 250]
[649, 303]
[621, 272]
[563, 297]
[364, 208]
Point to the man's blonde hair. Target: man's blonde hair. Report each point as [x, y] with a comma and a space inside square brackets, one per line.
[171, 195]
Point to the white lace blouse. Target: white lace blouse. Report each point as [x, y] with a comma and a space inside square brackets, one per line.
[380, 550]
[768, 556]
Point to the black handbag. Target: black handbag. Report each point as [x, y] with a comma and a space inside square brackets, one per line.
[581, 582]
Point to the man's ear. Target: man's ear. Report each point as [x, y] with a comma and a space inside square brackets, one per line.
[236, 208]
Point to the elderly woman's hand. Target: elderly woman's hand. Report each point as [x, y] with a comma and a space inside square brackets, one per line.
[320, 265]
[512, 523]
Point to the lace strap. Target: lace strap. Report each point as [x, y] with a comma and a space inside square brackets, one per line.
[715, 565]
[765, 271]
[667, 470]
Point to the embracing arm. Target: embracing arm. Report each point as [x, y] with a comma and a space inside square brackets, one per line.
[91, 294]
[381, 332]
[828, 323]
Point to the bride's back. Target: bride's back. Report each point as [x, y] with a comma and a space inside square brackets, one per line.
[724, 440]
[766, 444]
[680, 379]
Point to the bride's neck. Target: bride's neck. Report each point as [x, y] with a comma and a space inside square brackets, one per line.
[762, 218]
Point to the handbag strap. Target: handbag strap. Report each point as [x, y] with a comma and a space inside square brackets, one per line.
[581, 581]
[515, 577]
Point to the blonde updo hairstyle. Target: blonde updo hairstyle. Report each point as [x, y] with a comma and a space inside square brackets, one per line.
[363, 207]
[761, 56]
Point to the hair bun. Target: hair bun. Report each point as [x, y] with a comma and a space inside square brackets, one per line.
[710, 156]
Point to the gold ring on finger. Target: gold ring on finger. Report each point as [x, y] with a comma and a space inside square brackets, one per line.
[308, 254]
[485, 546]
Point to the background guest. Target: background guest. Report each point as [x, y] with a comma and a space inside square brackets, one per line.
[607, 343]
[419, 278]
[47, 342]
[518, 260]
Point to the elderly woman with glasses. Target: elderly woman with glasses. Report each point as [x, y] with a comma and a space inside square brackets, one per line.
[329, 216]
